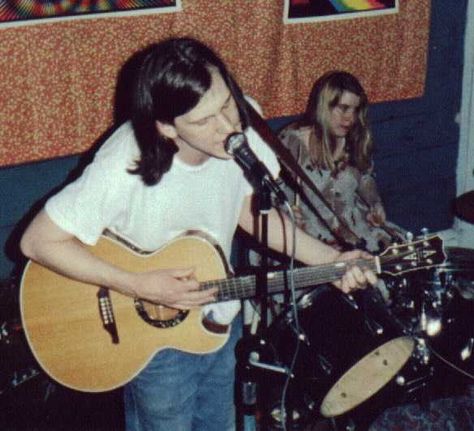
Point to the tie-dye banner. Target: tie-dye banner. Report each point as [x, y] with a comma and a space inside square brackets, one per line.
[19, 12]
[297, 11]
[60, 88]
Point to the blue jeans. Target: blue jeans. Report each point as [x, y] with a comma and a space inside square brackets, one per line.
[180, 391]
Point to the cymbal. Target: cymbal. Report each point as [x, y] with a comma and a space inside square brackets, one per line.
[464, 206]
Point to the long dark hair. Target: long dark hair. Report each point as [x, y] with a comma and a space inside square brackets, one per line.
[325, 95]
[172, 77]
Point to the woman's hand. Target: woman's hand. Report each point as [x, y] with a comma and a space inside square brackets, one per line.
[376, 215]
[300, 220]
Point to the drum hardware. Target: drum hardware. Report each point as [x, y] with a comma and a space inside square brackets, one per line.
[466, 352]
[298, 416]
[8, 332]
[437, 309]
[351, 301]
[344, 354]
[374, 327]
[254, 360]
[421, 368]
[351, 426]
[421, 351]
[335, 333]
[3, 331]
[419, 386]
[431, 305]
[18, 366]
[305, 301]
[347, 425]
[431, 321]
[20, 377]
[325, 365]
[465, 289]
[405, 321]
[249, 395]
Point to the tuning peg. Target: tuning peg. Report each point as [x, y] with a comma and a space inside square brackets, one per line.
[409, 236]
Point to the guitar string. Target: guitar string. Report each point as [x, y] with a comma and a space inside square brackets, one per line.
[234, 288]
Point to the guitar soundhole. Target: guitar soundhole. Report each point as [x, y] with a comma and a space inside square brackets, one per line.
[159, 315]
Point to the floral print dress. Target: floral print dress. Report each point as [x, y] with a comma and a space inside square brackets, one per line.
[343, 190]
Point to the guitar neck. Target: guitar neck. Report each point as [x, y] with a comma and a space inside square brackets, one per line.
[245, 287]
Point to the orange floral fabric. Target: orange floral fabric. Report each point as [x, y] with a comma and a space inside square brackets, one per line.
[57, 80]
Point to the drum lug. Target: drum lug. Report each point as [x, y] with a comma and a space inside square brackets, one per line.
[421, 351]
[466, 352]
[400, 380]
[300, 335]
[348, 426]
[415, 384]
[351, 301]
[306, 301]
[374, 327]
[325, 365]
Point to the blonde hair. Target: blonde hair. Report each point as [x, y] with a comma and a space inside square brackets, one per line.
[325, 96]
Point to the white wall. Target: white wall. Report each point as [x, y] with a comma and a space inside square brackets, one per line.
[464, 232]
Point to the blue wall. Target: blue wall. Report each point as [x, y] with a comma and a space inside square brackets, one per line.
[418, 139]
[417, 145]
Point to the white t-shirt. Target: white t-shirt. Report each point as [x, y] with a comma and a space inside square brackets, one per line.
[206, 198]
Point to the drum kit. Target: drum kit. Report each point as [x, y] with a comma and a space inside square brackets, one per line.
[338, 361]
[17, 365]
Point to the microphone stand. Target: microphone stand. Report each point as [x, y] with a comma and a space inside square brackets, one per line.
[253, 360]
[292, 167]
[264, 205]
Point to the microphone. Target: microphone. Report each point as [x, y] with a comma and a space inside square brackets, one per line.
[257, 173]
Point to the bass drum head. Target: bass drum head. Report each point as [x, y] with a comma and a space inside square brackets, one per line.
[348, 349]
[367, 376]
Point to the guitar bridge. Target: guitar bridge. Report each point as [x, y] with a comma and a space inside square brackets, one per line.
[107, 314]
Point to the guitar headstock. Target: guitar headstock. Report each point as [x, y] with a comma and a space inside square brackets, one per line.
[421, 254]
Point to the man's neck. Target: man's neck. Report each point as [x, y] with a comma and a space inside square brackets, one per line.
[189, 155]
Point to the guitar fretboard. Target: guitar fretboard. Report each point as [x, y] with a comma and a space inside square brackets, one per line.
[245, 286]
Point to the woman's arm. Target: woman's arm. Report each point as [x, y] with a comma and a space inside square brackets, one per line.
[368, 191]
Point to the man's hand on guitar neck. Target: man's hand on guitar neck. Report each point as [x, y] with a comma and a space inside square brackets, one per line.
[355, 276]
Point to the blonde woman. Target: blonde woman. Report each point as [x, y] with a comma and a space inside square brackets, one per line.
[333, 144]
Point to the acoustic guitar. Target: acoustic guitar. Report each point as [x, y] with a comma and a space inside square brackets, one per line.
[94, 339]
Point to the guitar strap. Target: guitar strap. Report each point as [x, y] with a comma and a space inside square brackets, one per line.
[289, 162]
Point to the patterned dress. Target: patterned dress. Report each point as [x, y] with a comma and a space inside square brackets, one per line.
[347, 190]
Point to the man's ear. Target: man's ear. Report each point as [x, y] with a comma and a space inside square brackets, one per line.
[167, 130]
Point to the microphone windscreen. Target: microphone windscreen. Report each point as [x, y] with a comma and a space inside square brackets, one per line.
[233, 142]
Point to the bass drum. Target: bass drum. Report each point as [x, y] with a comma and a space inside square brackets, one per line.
[438, 307]
[348, 348]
